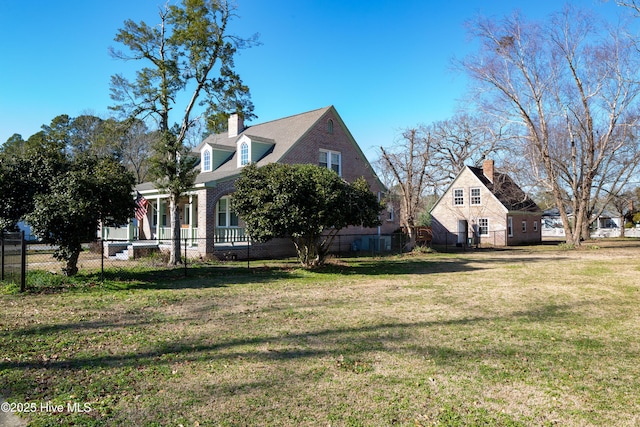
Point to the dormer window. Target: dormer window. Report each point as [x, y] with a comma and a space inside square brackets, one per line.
[206, 161]
[244, 154]
[252, 149]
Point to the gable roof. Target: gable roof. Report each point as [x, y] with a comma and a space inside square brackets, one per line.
[278, 137]
[506, 191]
[284, 132]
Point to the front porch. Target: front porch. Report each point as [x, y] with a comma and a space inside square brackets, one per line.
[162, 235]
[208, 223]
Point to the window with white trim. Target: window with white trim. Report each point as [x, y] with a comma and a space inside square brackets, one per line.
[475, 196]
[206, 161]
[331, 160]
[244, 154]
[226, 216]
[524, 226]
[535, 225]
[483, 226]
[458, 197]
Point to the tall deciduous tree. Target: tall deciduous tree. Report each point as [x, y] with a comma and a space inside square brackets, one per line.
[306, 203]
[464, 139]
[406, 167]
[571, 84]
[189, 52]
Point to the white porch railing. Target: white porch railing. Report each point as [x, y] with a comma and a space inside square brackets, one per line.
[127, 232]
[163, 234]
[189, 234]
[230, 235]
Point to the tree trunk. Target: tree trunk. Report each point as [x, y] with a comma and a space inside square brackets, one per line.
[309, 254]
[174, 254]
[71, 269]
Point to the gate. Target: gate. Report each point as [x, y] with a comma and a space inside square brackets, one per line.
[13, 258]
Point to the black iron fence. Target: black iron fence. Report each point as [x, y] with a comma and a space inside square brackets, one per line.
[13, 258]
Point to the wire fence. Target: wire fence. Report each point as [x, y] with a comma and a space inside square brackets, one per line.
[13, 258]
[134, 259]
[128, 259]
[448, 241]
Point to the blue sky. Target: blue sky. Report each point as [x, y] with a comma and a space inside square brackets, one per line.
[384, 64]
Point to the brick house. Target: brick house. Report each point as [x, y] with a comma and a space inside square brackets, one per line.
[483, 206]
[208, 222]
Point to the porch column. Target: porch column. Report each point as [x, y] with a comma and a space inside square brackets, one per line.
[191, 217]
[158, 218]
[206, 221]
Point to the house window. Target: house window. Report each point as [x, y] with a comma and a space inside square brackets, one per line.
[226, 216]
[390, 214]
[186, 220]
[510, 226]
[458, 197]
[483, 226]
[524, 226]
[190, 215]
[330, 126]
[331, 160]
[206, 161]
[535, 225]
[244, 154]
[475, 196]
[154, 216]
[162, 208]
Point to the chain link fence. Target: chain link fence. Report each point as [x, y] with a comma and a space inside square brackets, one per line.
[13, 258]
[123, 258]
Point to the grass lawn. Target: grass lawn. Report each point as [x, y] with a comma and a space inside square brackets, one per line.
[519, 337]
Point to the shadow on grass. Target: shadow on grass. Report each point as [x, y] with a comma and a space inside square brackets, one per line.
[347, 341]
[200, 276]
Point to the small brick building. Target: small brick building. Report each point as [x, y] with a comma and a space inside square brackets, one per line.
[483, 206]
[208, 222]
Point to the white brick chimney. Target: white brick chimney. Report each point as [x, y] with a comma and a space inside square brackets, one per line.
[236, 125]
[487, 169]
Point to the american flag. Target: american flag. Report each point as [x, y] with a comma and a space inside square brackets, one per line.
[141, 206]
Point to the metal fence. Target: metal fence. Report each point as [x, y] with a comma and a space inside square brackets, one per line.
[125, 257]
[13, 258]
[449, 241]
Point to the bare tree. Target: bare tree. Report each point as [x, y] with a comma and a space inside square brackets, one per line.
[464, 139]
[623, 205]
[632, 4]
[405, 166]
[570, 84]
[135, 143]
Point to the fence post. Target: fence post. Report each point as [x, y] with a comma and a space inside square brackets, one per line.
[23, 263]
[102, 260]
[1, 255]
